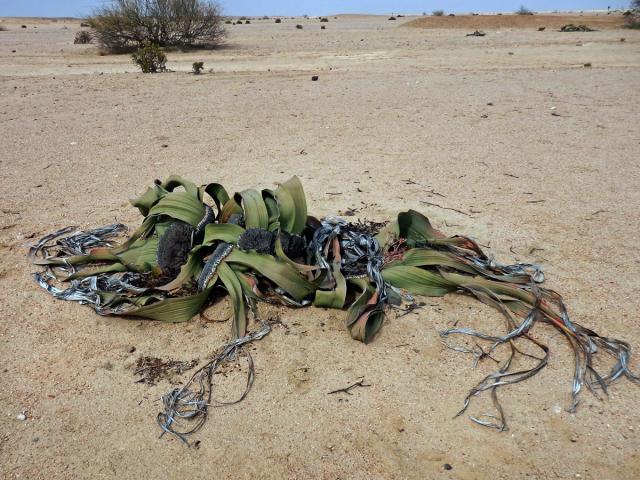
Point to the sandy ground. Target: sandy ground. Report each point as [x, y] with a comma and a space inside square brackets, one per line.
[399, 116]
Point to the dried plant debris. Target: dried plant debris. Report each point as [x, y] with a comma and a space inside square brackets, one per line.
[576, 28]
[263, 246]
[153, 369]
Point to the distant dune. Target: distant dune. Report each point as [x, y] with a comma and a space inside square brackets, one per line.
[552, 21]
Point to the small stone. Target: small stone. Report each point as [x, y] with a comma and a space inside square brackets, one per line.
[164, 145]
[314, 78]
[22, 416]
[446, 466]
[132, 349]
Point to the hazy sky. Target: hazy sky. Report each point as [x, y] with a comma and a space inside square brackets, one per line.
[80, 8]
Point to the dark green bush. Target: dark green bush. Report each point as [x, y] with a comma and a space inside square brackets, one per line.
[150, 58]
[197, 67]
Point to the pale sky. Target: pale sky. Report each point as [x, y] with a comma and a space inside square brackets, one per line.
[82, 8]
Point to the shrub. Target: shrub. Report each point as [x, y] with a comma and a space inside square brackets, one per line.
[438, 13]
[82, 38]
[278, 20]
[239, 22]
[324, 20]
[197, 67]
[523, 11]
[125, 25]
[247, 22]
[228, 22]
[150, 58]
[3, 28]
[299, 27]
[84, 24]
[632, 17]
[392, 18]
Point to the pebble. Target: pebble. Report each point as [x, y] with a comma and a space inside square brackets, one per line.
[22, 416]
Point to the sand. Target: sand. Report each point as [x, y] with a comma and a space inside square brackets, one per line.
[399, 116]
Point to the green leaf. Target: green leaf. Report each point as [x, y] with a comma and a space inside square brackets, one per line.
[413, 225]
[181, 206]
[173, 310]
[228, 209]
[388, 233]
[282, 274]
[292, 205]
[142, 255]
[272, 207]
[148, 199]
[280, 255]
[234, 287]
[174, 181]
[225, 232]
[218, 193]
[333, 298]
[255, 211]
[425, 257]
[364, 318]
[417, 280]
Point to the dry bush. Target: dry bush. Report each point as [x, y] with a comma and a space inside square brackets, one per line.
[125, 25]
[3, 28]
[82, 38]
[632, 17]
[278, 20]
[438, 13]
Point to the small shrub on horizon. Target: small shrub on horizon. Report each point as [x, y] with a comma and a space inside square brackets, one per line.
[299, 27]
[197, 67]
[438, 13]
[278, 20]
[150, 58]
[523, 11]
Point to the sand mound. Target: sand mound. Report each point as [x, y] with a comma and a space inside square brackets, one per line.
[551, 21]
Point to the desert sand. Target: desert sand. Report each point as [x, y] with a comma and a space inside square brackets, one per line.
[538, 151]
